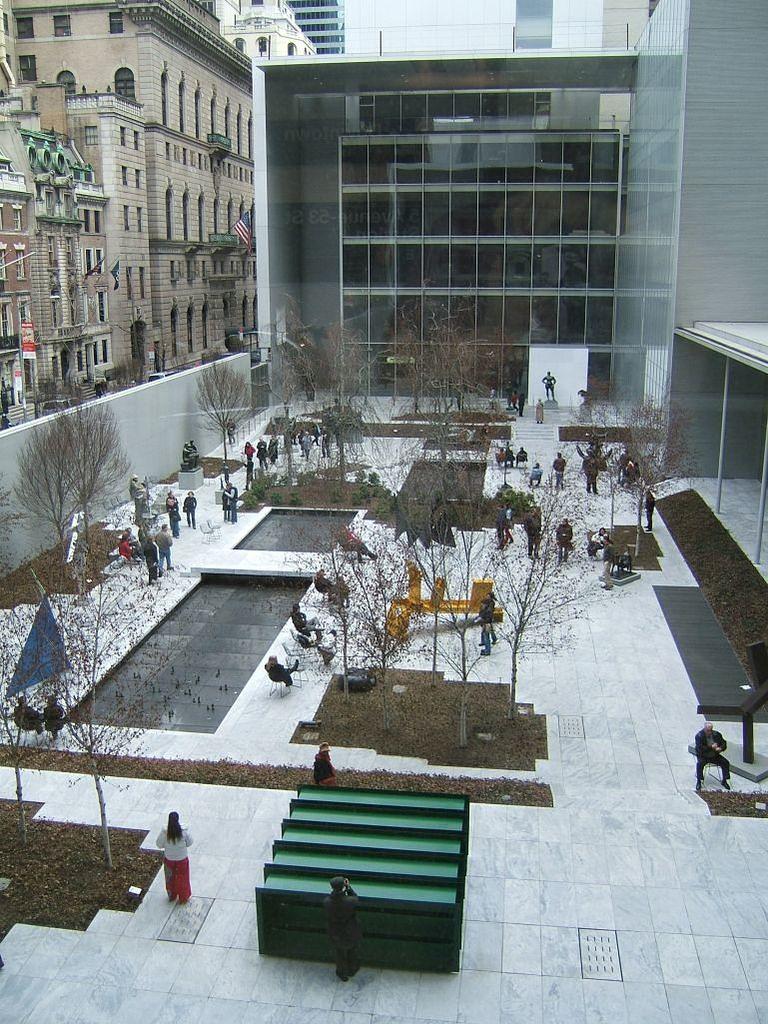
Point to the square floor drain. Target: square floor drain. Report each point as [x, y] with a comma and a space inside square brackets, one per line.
[186, 920]
[572, 726]
[599, 955]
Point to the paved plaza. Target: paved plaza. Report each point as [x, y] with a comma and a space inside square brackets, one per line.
[628, 859]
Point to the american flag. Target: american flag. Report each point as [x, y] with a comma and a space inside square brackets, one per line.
[243, 230]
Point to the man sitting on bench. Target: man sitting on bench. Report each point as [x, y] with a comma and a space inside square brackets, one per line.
[522, 457]
[303, 625]
[279, 673]
[710, 745]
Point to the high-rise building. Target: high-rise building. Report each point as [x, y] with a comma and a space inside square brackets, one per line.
[159, 104]
[322, 21]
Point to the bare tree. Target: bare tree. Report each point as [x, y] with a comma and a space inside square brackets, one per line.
[71, 463]
[345, 372]
[540, 595]
[224, 399]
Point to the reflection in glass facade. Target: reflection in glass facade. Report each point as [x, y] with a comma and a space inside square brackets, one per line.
[511, 233]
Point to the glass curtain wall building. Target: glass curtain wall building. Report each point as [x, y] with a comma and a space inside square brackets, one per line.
[483, 193]
[322, 21]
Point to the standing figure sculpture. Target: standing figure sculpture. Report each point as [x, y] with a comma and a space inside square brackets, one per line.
[549, 386]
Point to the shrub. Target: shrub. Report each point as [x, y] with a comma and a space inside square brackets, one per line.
[275, 498]
[295, 498]
[519, 501]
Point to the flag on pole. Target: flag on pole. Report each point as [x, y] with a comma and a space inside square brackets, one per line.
[95, 269]
[43, 656]
[115, 272]
[243, 230]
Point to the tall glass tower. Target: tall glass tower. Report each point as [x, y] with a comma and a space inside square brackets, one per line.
[323, 22]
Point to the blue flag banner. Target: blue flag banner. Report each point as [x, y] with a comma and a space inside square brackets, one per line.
[44, 656]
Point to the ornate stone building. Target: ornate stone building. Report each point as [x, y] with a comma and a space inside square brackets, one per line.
[160, 104]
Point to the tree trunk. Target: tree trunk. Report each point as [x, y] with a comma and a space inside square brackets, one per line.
[435, 624]
[613, 501]
[639, 523]
[342, 459]
[106, 845]
[288, 453]
[344, 658]
[225, 444]
[463, 719]
[512, 706]
[386, 717]
[20, 806]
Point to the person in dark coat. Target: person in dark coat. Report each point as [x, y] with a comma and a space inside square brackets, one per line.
[323, 772]
[174, 516]
[564, 538]
[520, 403]
[54, 717]
[650, 505]
[485, 616]
[279, 673]
[272, 449]
[262, 454]
[152, 558]
[710, 745]
[532, 527]
[504, 533]
[229, 503]
[344, 930]
[303, 625]
[189, 507]
[590, 468]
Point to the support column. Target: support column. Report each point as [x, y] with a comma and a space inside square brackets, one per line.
[763, 489]
[721, 456]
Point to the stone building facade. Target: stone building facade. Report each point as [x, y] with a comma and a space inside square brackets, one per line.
[266, 30]
[160, 105]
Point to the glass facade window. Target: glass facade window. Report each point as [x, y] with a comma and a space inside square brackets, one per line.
[512, 234]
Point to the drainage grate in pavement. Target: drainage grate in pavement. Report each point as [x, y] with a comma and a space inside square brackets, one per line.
[186, 920]
[599, 955]
[572, 726]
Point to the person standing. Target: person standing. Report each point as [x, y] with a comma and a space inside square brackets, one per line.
[250, 451]
[512, 400]
[272, 449]
[344, 930]
[152, 558]
[164, 542]
[650, 505]
[261, 455]
[710, 745]
[532, 527]
[608, 556]
[539, 411]
[520, 402]
[564, 538]
[325, 445]
[231, 496]
[589, 465]
[189, 507]
[559, 469]
[174, 841]
[323, 772]
[306, 444]
[485, 617]
[174, 516]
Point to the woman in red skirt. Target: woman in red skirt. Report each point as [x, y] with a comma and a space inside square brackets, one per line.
[173, 840]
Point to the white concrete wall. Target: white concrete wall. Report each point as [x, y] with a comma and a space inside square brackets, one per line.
[154, 421]
[568, 367]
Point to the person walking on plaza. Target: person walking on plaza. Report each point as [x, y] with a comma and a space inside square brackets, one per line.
[532, 527]
[558, 467]
[249, 451]
[174, 841]
[344, 930]
[261, 455]
[323, 772]
[485, 618]
[164, 542]
[189, 507]
[650, 505]
[564, 538]
[306, 444]
[325, 444]
[520, 402]
[152, 558]
[710, 745]
[539, 411]
[504, 534]
[174, 516]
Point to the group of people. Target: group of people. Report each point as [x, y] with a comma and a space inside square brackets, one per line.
[51, 719]
[265, 452]
[313, 435]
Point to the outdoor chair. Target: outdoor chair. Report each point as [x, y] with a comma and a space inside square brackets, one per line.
[210, 530]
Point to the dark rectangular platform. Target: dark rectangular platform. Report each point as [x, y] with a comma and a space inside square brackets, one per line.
[285, 529]
[716, 674]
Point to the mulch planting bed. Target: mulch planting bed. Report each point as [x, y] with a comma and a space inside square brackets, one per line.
[735, 590]
[735, 805]
[58, 879]
[263, 776]
[650, 552]
[19, 586]
[579, 433]
[478, 435]
[425, 723]
[471, 418]
[211, 468]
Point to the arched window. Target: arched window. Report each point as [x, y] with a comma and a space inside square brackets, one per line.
[190, 328]
[213, 115]
[200, 218]
[263, 44]
[125, 83]
[67, 79]
[185, 216]
[169, 213]
[240, 45]
[174, 330]
[197, 112]
[204, 321]
[226, 119]
[182, 97]
[291, 49]
[244, 317]
[164, 98]
[255, 312]
[238, 130]
[216, 215]
[229, 216]
[250, 136]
